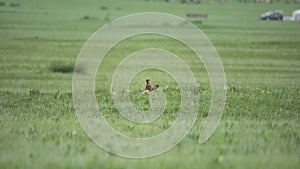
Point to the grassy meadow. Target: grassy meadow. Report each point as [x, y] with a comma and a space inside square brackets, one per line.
[39, 44]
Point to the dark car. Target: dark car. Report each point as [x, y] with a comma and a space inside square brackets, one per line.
[272, 15]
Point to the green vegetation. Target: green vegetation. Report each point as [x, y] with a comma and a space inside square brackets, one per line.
[40, 41]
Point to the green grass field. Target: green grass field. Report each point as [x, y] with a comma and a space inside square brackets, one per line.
[40, 41]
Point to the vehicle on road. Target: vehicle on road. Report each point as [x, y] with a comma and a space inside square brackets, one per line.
[272, 15]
